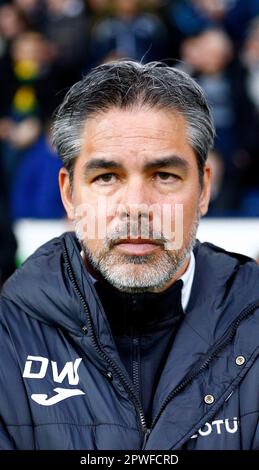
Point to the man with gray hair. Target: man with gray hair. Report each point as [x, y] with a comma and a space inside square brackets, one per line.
[128, 333]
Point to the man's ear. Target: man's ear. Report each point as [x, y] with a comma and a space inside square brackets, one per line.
[206, 190]
[66, 192]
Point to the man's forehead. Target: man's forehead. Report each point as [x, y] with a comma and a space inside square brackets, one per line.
[134, 123]
[126, 135]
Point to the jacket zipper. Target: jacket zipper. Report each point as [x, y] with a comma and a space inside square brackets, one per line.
[215, 350]
[136, 365]
[140, 413]
[135, 356]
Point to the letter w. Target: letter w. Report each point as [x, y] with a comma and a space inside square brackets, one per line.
[70, 369]
[144, 459]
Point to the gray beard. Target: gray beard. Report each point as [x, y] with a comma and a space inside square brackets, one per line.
[139, 274]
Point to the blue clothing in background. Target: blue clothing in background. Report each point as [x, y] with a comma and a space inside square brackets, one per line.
[192, 20]
[35, 192]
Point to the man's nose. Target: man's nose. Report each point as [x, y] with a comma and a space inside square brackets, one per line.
[136, 199]
[137, 191]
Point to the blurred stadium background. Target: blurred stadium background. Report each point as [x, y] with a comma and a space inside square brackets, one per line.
[47, 45]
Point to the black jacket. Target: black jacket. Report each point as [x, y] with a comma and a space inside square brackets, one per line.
[63, 385]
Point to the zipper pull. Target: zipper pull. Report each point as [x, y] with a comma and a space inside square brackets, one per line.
[146, 435]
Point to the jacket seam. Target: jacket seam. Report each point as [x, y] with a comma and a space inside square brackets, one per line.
[196, 332]
[71, 424]
[249, 413]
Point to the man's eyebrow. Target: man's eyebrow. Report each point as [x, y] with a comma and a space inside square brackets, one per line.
[165, 162]
[101, 163]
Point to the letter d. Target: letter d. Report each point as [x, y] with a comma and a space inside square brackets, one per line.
[174, 459]
[35, 375]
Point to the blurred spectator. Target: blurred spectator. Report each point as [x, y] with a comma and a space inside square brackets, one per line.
[12, 23]
[27, 96]
[98, 6]
[32, 10]
[250, 57]
[209, 57]
[67, 28]
[129, 32]
[191, 17]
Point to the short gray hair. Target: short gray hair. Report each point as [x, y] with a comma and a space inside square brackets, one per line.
[124, 84]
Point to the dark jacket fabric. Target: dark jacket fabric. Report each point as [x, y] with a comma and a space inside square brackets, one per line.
[143, 326]
[64, 386]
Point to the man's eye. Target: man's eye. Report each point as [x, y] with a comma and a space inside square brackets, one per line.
[164, 176]
[106, 178]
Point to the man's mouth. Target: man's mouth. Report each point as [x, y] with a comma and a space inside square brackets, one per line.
[138, 246]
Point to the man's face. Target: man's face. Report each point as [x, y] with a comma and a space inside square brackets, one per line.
[136, 197]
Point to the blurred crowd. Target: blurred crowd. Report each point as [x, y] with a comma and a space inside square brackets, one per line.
[47, 45]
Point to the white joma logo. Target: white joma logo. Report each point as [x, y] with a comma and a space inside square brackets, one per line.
[61, 394]
[41, 364]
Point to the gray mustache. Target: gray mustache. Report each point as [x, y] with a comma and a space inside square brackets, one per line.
[133, 232]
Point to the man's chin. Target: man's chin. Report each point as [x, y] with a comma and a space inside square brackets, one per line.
[137, 277]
